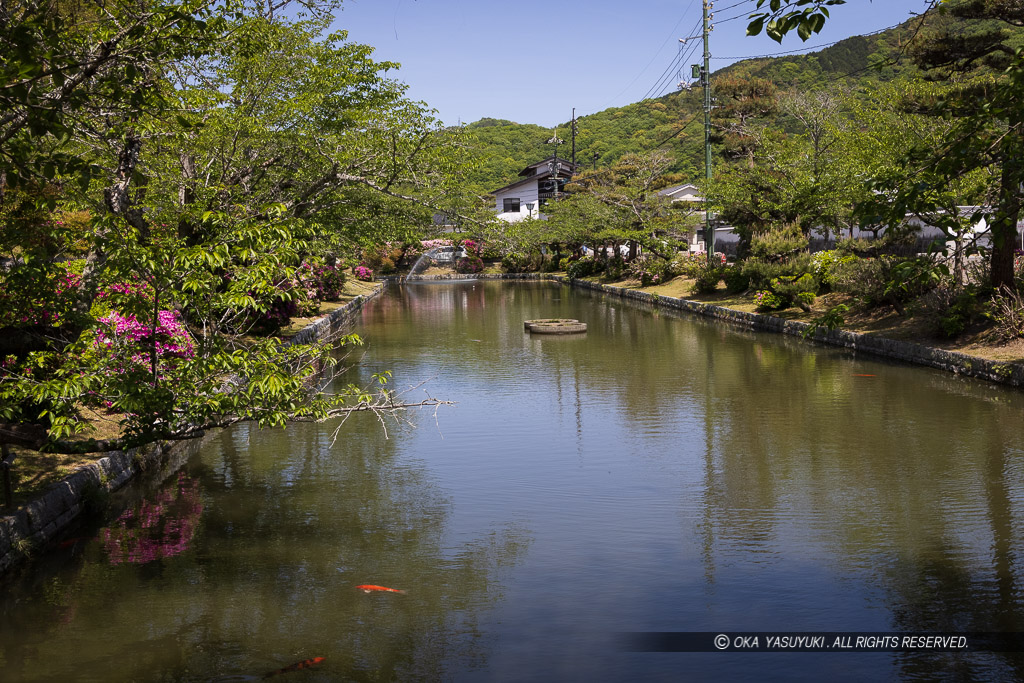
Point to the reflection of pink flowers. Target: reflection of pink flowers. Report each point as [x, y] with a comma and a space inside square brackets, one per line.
[156, 529]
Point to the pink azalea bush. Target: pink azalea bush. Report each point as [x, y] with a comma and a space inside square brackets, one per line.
[363, 273]
[128, 341]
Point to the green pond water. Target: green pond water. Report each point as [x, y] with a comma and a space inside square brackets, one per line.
[658, 474]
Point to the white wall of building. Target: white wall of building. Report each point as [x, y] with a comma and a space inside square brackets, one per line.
[527, 193]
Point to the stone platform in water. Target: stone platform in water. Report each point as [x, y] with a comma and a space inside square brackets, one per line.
[555, 326]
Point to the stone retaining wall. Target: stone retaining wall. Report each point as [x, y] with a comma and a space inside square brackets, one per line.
[337, 322]
[958, 363]
[40, 522]
[1011, 374]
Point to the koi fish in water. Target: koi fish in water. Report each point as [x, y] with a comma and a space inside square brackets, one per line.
[366, 588]
[304, 664]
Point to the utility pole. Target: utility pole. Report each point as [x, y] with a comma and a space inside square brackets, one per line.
[554, 166]
[574, 139]
[705, 81]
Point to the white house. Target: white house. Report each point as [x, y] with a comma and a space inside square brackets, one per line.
[537, 184]
[682, 193]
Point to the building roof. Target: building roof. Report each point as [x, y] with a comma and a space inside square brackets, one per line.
[564, 162]
[687, 192]
[565, 170]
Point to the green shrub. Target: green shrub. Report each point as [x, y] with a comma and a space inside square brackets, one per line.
[650, 270]
[518, 263]
[708, 276]
[581, 268]
[1008, 315]
[824, 265]
[686, 265]
[952, 310]
[615, 269]
[766, 300]
[778, 244]
[549, 265]
[760, 273]
[736, 281]
[793, 286]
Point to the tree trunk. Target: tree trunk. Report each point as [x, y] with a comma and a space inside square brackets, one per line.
[1004, 224]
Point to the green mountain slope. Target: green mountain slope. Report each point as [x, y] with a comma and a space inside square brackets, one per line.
[674, 122]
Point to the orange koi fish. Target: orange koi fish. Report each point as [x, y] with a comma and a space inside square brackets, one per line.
[304, 664]
[366, 588]
[856, 375]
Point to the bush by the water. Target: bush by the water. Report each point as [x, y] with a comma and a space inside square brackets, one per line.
[582, 268]
[707, 278]
[650, 270]
[469, 265]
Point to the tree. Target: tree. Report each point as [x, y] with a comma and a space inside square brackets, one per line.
[967, 44]
[253, 143]
[744, 105]
[621, 205]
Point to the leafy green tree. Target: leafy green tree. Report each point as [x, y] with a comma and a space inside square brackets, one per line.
[972, 45]
[256, 145]
[744, 106]
[621, 206]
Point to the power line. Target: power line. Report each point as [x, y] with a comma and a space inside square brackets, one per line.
[675, 64]
[637, 77]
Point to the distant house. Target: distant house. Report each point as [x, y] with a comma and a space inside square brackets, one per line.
[687, 194]
[537, 184]
[682, 193]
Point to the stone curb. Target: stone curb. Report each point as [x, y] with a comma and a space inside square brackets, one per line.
[41, 521]
[1011, 374]
[335, 323]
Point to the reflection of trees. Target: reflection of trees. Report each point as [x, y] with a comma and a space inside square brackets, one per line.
[290, 526]
[911, 477]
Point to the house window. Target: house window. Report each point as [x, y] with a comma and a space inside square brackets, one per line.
[510, 205]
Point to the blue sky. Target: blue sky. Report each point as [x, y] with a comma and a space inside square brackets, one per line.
[532, 61]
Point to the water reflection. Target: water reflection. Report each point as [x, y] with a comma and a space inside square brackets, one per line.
[658, 473]
[156, 528]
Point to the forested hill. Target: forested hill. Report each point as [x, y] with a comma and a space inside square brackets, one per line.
[674, 121]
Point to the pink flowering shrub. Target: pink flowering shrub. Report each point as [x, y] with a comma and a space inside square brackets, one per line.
[125, 297]
[469, 265]
[320, 282]
[363, 273]
[434, 244]
[127, 342]
[472, 247]
[156, 529]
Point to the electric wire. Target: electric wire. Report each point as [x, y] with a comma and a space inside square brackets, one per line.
[641, 73]
[674, 65]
